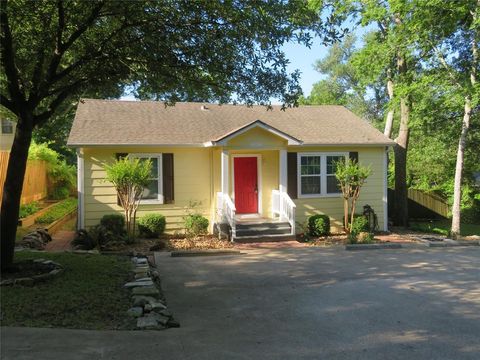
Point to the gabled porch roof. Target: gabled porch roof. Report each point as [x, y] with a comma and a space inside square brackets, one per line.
[222, 140]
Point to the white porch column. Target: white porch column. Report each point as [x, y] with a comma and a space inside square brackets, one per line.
[224, 171]
[283, 171]
[80, 190]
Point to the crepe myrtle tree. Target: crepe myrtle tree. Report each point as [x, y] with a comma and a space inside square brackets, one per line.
[53, 52]
[130, 177]
[351, 176]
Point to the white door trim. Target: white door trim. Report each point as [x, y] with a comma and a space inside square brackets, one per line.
[259, 178]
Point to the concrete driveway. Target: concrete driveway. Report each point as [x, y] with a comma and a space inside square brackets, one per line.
[304, 303]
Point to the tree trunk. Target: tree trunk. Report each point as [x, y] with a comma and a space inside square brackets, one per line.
[401, 193]
[457, 188]
[389, 122]
[12, 190]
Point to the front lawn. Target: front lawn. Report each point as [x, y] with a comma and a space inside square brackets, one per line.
[87, 295]
[443, 227]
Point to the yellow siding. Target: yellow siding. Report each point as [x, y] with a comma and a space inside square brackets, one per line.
[256, 138]
[371, 193]
[192, 174]
[197, 175]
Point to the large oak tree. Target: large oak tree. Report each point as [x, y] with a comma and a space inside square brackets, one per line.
[53, 52]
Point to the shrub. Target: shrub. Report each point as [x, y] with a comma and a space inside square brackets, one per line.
[152, 225]
[318, 225]
[64, 175]
[59, 193]
[83, 240]
[114, 223]
[28, 209]
[57, 211]
[196, 224]
[359, 225]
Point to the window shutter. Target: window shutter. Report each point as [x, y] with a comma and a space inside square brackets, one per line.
[167, 177]
[119, 156]
[292, 174]
[353, 155]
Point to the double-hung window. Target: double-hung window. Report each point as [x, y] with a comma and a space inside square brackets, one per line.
[7, 126]
[153, 193]
[316, 174]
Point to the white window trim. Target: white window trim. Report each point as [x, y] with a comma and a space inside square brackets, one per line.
[158, 156]
[323, 174]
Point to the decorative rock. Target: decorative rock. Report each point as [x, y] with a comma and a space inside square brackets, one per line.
[140, 270]
[38, 260]
[25, 281]
[165, 313]
[134, 284]
[55, 272]
[143, 300]
[171, 323]
[142, 261]
[6, 282]
[145, 290]
[146, 322]
[159, 318]
[135, 311]
[145, 278]
[147, 308]
[158, 305]
[141, 275]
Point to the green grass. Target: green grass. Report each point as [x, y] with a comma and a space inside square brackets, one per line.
[87, 295]
[28, 209]
[57, 211]
[443, 227]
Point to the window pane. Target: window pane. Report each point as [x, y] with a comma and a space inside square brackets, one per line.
[154, 170]
[310, 165]
[310, 185]
[151, 191]
[7, 126]
[331, 160]
[333, 187]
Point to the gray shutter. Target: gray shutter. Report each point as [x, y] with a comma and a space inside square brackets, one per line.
[167, 177]
[353, 155]
[292, 175]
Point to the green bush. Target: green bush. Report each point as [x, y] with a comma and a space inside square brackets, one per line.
[28, 209]
[57, 211]
[152, 225]
[318, 225]
[63, 175]
[359, 225]
[114, 223]
[196, 224]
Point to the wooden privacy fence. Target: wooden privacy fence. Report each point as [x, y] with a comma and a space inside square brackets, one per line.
[35, 184]
[431, 201]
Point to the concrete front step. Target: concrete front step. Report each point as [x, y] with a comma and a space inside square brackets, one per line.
[263, 232]
[264, 239]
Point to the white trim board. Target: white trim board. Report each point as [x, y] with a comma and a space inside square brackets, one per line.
[80, 190]
[259, 179]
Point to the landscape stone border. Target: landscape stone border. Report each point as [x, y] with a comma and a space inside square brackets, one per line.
[373, 246]
[53, 269]
[211, 252]
[149, 306]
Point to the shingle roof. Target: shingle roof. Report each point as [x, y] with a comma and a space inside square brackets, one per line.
[115, 122]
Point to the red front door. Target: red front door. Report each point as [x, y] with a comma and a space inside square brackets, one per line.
[246, 185]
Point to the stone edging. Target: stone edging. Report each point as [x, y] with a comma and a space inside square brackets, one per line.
[211, 252]
[148, 302]
[56, 269]
[373, 246]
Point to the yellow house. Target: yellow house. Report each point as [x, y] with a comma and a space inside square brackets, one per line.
[7, 134]
[251, 170]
